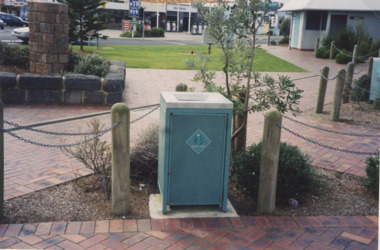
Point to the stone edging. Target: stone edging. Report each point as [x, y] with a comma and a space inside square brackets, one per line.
[70, 89]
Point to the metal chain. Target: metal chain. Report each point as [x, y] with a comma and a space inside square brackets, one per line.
[370, 54]
[62, 145]
[143, 116]
[322, 145]
[301, 78]
[352, 83]
[363, 68]
[327, 79]
[47, 132]
[330, 131]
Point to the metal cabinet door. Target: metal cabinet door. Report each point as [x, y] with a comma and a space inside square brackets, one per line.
[197, 159]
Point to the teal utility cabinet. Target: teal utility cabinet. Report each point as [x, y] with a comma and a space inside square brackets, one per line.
[194, 149]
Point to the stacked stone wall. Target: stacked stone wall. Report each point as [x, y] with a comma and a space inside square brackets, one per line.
[48, 37]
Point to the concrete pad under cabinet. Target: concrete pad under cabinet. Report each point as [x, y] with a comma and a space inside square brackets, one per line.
[155, 210]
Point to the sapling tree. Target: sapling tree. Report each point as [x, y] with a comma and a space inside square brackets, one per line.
[234, 30]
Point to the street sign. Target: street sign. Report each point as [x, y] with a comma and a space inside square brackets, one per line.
[134, 8]
[134, 22]
[126, 25]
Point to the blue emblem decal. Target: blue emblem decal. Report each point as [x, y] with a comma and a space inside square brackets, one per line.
[198, 141]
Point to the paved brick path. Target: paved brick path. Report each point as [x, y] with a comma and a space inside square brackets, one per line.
[29, 168]
[321, 232]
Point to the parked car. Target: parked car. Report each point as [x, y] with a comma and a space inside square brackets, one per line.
[22, 34]
[13, 20]
[2, 24]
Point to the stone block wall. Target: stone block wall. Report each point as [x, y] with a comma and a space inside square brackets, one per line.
[70, 89]
[48, 37]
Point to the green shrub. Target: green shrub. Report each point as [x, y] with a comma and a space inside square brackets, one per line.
[284, 40]
[296, 178]
[14, 55]
[360, 92]
[273, 42]
[372, 170]
[343, 57]
[376, 103]
[126, 34]
[92, 64]
[375, 46]
[158, 32]
[323, 52]
[144, 156]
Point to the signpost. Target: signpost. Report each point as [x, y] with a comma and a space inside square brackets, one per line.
[134, 6]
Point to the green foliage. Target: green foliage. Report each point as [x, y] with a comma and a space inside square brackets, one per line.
[285, 27]
[375, 46]
[343, 57]
[126, 34]
[372, 170]
[94, 155]
[323, 52]
[144, 156]
[296, 178]
[181, 87]
[91, 64]
[14, 55]
[273, 42]
[361, 89]
[376, 103]
[86, 18]
[158, 32]
[284, 40]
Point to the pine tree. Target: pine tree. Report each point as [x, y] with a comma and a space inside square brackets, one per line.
[86, 17]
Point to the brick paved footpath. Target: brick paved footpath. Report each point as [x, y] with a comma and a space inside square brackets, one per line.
[321, 232]
[29, 168]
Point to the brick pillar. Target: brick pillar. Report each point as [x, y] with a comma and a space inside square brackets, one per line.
[48, 37]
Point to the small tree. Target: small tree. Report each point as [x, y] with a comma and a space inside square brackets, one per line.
[95, 155]
[285, 27]
[235, 29]
[85, 17]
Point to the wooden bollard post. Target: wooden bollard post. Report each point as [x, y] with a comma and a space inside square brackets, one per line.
[378, 54]
[355, 53]
[1, 160]
[269, 162]
[347, 83]
[370, 64]
[268, 38]
[322, 90]
[316, 46]
[335, 108]
[332, 50]
[120, 160]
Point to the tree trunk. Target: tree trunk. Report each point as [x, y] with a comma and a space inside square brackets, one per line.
[241, 138]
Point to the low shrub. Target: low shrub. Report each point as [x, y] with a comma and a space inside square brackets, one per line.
[273, 42]
[126, 34]
[95, 155]
[376, 103]
[14, 55]
[92, 64]
[144, 156]
[158, 32]
[343, 57]
[372, 171]
[284, 40]
[323, 52]
[361, 89]
[296, 178]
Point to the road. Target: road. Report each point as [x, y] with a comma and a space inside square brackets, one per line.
[172, 38]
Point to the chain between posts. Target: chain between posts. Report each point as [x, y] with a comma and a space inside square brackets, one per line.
[323, 145]
[62, 145]
[99, 134]
[330, 131]
[344, 79]
[370, 54]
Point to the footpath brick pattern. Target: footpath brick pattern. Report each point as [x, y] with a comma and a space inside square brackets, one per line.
[357, 232]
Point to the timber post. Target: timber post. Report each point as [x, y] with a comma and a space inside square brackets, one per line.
[322, 89]
[337, 99]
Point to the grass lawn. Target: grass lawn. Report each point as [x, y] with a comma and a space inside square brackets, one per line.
[173, 57]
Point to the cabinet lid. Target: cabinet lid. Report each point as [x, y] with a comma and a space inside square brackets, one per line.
[187, 100]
